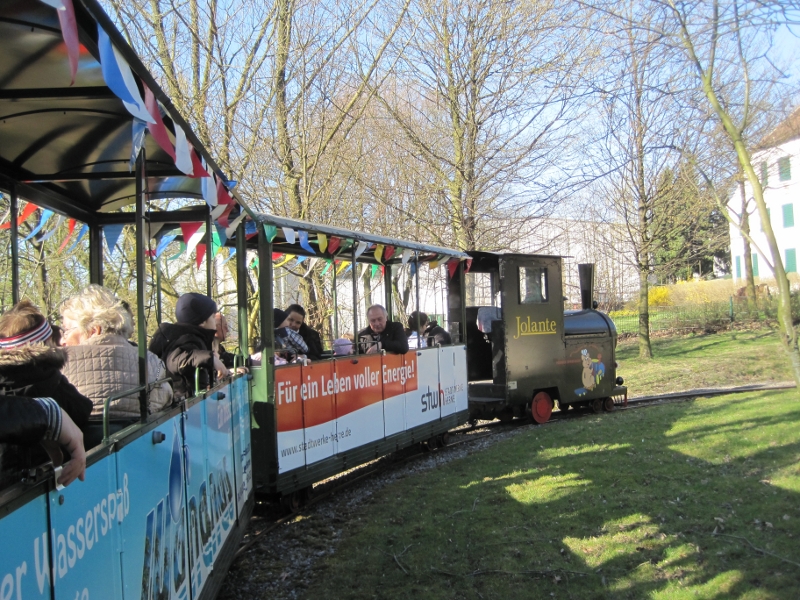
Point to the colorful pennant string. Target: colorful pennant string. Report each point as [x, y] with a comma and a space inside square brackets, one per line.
[55, 228]
[379, 252]
[271, 232]
[163, 243]
[119, 77]
[157, 129]
[183, 152]
[374, 271]
[407, 254]
[63, 245]
[362, 246]
[81, 233]
[138, 128]
[452, 266]
[29, 209]
[322, 242]
[230, 255]
[327, 267]
[303, 235]
[289, 234]
[334, 244]
[46, 214]
[112, 233]
[180, 251]
[342, 267]
[388, 252]
[200, 252]
[285, 260]
[216, 242]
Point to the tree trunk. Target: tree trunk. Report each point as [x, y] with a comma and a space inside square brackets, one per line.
[645, 349]
[749, 284]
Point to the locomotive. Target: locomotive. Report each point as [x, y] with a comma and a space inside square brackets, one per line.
[524, 351]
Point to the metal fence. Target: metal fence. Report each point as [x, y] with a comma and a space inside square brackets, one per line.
[708, 316]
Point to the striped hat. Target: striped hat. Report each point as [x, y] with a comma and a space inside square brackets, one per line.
[39, 333]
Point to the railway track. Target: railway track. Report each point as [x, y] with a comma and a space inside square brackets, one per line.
[266, 520]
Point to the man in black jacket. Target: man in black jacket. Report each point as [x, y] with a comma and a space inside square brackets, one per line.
[382, 334]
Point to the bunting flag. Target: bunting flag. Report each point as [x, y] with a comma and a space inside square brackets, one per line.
[55, 228]
[223, 197]
[414, 268]
[284, 261]
[349, 267]
[138, 129]
[311, 263]
[119, 77]
[407, 254]
[222, 235]
[163, 243]
[230, 255]
[333, 245]
[322, 242]
[254, 264]
[327, 266]
[157, 128]
[434, 264]
[374, 271]
[388, 253]
[209, 190]
[271, 232]
[69, 235]
[250, 229]
[300, 260]
[29, 209]
[198, 168]
[46, 214]
[216, 242]
[183, 152]
[191, 235]
[304, 242]
[69, 31]
[362, 246]
[276, 255]
[383, 271]
[81, 233]
[199, 253]
[379, 252]
[342, 267]
[289, 234]
[112, 233]
[469, 265]
[452, 266]
[179, 253]
[230, 231]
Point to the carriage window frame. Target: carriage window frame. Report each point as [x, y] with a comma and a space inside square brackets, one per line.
[526, 297]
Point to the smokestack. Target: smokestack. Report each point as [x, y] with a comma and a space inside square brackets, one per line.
[586, 278]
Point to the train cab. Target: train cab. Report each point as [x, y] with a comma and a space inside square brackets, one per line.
[524, 351]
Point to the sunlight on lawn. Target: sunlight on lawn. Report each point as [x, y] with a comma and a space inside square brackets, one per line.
[596, 551]
[548, 488]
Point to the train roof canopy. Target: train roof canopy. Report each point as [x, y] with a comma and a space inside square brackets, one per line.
[67, 146]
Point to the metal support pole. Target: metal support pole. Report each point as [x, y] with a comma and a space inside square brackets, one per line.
[141, 325]
[14, 245]
[159, 306]
[335, 303]
[209, 261]
[241, 290]
[265, 308]
[416, 285]
[96, 254]
[355, 299]
[387, 288]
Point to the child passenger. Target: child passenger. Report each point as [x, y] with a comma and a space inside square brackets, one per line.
[187, 345]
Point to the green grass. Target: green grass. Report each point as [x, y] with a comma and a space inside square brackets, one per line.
[695, 361]
[655, 503]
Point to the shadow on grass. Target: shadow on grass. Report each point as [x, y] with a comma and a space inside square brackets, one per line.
[596, 514]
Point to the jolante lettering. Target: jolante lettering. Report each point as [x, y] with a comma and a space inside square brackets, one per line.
[529, 327]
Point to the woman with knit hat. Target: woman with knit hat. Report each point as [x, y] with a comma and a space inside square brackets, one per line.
[187, 345]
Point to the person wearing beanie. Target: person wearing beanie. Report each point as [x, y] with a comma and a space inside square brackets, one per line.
[187, 345]
[288, 343]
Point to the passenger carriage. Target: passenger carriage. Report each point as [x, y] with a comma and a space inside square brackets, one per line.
[167, 497]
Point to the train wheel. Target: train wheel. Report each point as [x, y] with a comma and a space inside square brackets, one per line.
[541, 407]
[444, 439]
[506, 415]
[597, 406]
[608, 404]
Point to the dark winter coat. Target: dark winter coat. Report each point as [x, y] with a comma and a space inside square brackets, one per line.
[184, 348]
[24, 422]
[35, 372]
[434, 334]
[392, 339]
[313, 341]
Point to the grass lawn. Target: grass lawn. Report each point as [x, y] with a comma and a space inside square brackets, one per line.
[660, 502]
[694, 361]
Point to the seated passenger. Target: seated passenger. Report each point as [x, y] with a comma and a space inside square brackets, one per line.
[187, 345]
[382, 334]
[220, 336]
[101, 360]
[289, 344]
[30, 364]
[27, 421]
[296, 320]
[429, 331]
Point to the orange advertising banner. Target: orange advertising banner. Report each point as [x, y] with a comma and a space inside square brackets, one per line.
[321, 392]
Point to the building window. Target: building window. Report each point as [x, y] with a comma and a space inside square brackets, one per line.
[784, 168]
[791, 260]
[532, 285]
[764, 173]
[738, 267]
[755, 264]
[788, 215]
